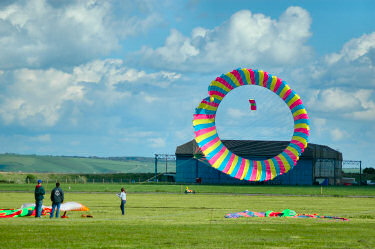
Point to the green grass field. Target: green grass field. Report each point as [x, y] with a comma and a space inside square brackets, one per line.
[335, 191]
[174, 220]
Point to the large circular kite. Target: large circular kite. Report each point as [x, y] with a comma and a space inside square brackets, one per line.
[226, 161]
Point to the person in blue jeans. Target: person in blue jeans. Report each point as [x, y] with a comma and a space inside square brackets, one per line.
[57, 197]
[39, 196]
[122, 196]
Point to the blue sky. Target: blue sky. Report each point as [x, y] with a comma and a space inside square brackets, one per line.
[122, 78]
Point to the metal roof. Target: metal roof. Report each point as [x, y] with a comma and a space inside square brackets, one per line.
[262, 149]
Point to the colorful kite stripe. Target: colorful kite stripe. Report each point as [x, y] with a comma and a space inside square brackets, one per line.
[223, 159]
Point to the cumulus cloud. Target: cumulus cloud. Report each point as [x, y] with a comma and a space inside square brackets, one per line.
[38, 95]
[42, 96]
[358, 49]
[245, 39]
[367, 114]
[185, 133]
[337, 134]
[42, 138]
[352, 66]
[40, 33]
[157, 142]
[236, 113]
[334, 99]
[349, 77]
[345, 102]
[148, 98]
[319, 125]
[113, 71]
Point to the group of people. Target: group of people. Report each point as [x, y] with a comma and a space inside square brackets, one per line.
[57, 197]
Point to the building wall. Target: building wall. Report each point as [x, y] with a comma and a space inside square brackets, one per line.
[301, 174]
[188, 170]
[185, 169]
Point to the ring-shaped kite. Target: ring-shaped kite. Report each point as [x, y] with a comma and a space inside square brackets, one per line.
[226, 161]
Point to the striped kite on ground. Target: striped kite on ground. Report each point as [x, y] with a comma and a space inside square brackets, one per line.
[28, 209]
[286, 213]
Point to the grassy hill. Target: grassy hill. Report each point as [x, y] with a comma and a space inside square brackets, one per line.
[64, 164]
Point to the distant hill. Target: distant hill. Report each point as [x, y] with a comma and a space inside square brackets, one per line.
[66, 164]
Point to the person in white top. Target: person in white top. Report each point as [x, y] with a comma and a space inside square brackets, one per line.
[122, 196]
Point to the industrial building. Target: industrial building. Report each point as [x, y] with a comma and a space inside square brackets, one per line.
[318, 164]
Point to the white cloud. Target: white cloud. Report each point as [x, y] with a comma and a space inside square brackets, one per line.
[367, 114]
[39, 33]
[319, 125]
[236, 113]
[334, 99]
[42, 138]
[157, 142]
[320, 122]
[356, 104]
[40, 97]
[340, 93]
[184, 134]
[133, 135]
[337, 134]
[113, 71]
[353, 66]
[355, 49]
[244, 39]
[340, 96]
[148, 98]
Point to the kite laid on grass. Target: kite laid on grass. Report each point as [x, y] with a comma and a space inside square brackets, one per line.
[28, 209]
[226, 161]
[286, 213]
[21, 212]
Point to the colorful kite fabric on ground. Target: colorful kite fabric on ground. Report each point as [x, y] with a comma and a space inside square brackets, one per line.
[28, 209]
[286, 213]
[20, 212]
[223, 159]
[66, 206]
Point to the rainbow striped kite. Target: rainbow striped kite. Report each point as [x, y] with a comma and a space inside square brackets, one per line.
[226, 161]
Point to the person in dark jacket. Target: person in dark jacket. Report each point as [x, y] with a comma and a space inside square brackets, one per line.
[57, 197]
[39, 196]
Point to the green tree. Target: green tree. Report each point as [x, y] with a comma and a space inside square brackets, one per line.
[369, 171]
[30, 178]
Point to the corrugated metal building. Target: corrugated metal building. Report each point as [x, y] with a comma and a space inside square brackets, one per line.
[317, 164]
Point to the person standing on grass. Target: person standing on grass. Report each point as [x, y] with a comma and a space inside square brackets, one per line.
[39, 196]
[57, 197]
[122, 196]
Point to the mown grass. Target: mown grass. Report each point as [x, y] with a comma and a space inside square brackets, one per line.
[163, 220]
[338, 191]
